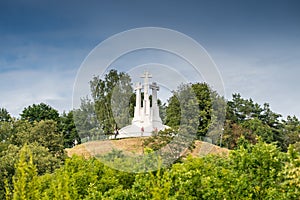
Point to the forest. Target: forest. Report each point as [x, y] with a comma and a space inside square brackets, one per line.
[263, 160]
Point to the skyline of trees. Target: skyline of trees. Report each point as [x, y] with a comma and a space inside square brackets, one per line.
[114, 100]
[264, 161]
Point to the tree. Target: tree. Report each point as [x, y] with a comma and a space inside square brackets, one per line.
[8, 159]
[204, 98]
[120, 101]
[6, 131]
[6, 128]
[291, 130]
[211, 109]
[269, 117]
[152, 185]
[86, 122]
[39, 112]
[250, 172]
[4, 115]
[173, 112]
[239, 109]
[44, 161]
[261, 120]
[258, 128]
[22, 133]
[45, 133]
[187, 131]
[162, 110]
[291, 172]
[257, 171]
[24, 180]
[114, 90]
[68, 129]
[233, 132]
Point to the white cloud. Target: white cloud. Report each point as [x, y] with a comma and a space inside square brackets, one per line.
[272, 79]
[22, 88]
[33, 73]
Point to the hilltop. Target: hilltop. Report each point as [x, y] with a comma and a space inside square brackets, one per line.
[135, 146]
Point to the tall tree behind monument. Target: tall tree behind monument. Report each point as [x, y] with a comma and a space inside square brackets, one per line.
[209, 114]
[105, 93]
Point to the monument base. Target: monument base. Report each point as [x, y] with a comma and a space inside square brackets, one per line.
[137, 131]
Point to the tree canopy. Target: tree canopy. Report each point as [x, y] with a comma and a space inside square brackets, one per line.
[259, 171]
[38, 112]
[4, 115]
[113, 91]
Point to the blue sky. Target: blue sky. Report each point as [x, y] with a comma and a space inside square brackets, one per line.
[255, 44]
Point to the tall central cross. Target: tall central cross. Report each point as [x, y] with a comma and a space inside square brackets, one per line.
[146, 77]
[146, 105]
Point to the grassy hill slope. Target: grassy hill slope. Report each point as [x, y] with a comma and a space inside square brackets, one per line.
[135, 146]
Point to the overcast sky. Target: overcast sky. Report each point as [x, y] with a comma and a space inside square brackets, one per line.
[255, 45]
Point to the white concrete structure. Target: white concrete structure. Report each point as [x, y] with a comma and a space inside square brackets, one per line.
[146, 119]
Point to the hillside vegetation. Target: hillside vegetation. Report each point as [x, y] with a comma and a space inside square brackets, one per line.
[135, 146]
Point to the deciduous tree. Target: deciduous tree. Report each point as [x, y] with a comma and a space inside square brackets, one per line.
[68, 128]
[114, 90]
[38, 112]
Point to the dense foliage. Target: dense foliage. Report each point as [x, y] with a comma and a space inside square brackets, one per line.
[210, 109]
[41, 130]
[251, 120]
[39, 112]
[259, 171]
